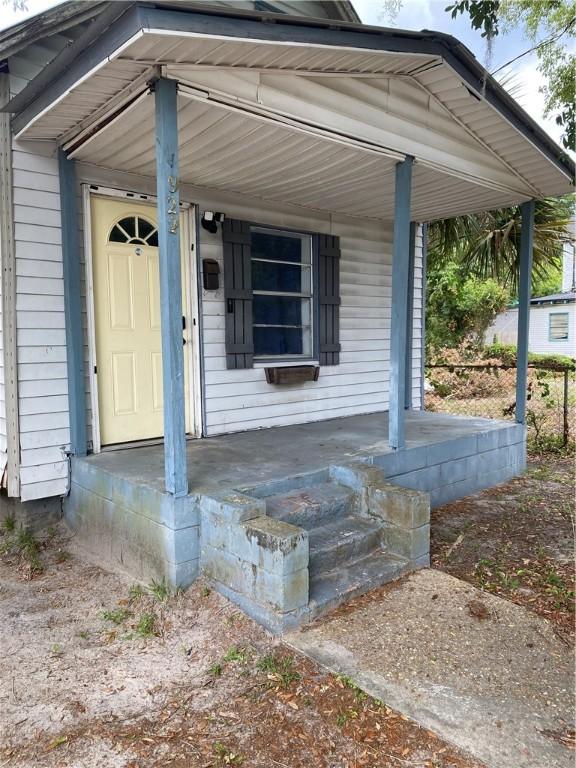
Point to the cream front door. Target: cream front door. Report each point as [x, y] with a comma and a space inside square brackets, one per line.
[127, 320]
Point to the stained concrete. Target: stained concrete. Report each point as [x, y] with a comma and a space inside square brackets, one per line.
[251, 458]
[118, 507]
[498, 687]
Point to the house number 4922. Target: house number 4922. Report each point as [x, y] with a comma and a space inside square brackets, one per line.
[172, 205]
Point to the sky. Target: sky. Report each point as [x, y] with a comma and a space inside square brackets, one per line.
[419, 14]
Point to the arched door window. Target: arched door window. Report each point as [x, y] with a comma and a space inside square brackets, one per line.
[134, 229]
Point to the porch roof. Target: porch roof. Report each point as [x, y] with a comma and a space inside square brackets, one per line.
[299, 112]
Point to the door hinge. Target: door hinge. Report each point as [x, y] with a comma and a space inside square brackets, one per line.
[95, 370]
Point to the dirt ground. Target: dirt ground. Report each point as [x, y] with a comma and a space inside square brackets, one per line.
[516, 541]
[97, 674]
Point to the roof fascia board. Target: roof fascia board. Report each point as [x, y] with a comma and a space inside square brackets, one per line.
[473, 75]
[286, 30]
[373, 38]
[282, 29]
[120, 21]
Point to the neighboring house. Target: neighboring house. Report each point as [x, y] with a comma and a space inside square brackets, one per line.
[213, 257]
[552, 318]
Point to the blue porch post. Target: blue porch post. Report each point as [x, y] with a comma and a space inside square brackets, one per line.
[400, 297]
[167, 182]
[524, 288]
[72, 304]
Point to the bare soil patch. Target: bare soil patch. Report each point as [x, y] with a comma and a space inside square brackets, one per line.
[96, 671]
[516, 541]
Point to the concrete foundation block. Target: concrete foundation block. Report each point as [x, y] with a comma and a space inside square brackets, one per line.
[276, 546]
[400, 462]
[33, 515]
[233, 506]
[420, 562]
[283, 593]
[403, 507]
[356, 475]
[411, 544]
[183, 574]
[452, 449]
[275, 622]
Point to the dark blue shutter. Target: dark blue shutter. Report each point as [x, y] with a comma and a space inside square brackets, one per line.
[238, 293]
[329, 299]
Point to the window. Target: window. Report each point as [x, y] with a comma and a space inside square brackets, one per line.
[134, 229]
[558, 326]
[282, 285]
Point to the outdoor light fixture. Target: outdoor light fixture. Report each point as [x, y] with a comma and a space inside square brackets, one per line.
[210, 220]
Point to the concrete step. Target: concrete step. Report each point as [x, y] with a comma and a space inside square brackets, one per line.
[313, 506]
[332, 588]
[341, 541]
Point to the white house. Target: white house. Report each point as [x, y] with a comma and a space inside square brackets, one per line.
[213, 251]
[552, 318]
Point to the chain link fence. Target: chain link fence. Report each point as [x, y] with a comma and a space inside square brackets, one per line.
[489, 391]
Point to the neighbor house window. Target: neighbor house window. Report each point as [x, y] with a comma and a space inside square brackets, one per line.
[558, 326]
[282, 285]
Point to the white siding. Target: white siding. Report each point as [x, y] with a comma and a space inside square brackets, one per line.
[236, 400]
[3, 445]
[505, 329]
[539, 330]
[42, 375]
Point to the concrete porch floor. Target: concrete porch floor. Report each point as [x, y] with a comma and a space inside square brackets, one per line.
[118, 507]
[252, 458]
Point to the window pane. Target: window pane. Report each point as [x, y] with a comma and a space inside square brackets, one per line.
[145, 228]
[117, 236]
[559, 326]
[283, 278]
[271, 245]
[277, 310]
[129, 225]
[278, 341]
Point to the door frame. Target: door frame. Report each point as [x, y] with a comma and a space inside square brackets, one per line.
[191, 310]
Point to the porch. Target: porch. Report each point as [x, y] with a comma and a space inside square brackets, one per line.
[290, 521]
[345, 141]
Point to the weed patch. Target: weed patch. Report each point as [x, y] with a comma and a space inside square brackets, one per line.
[20, 545]
[146, 626]
[280, 670]
[225, 755]
[116, 616]
[236, 655]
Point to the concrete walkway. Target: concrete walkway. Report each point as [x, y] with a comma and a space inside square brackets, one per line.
[481, 672]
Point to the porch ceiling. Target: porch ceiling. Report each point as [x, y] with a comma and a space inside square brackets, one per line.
[280, 114]
[224, 150]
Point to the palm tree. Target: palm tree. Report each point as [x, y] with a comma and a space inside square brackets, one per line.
[488, 244]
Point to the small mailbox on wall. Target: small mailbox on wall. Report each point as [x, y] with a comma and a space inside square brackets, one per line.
[210, 275]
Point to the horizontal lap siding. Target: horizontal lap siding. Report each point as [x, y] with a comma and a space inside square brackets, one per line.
[41, 337]
[239, 400]
[417, 333]
[234, 400]
[539, 339]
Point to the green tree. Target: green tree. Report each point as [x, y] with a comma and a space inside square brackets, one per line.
[473, 264]
[550, 25]
[488, 244]
[460, 306]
